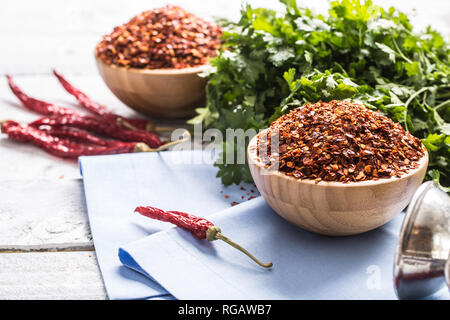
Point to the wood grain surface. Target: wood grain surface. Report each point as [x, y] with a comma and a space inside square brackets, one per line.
[36, 37]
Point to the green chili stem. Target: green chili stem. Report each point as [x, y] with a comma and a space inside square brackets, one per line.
[142, 147]
[220, 236]
[171, 144]
[152, 127]
[214, 233]
[122, 122]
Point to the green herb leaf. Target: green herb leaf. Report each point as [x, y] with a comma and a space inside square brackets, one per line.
[272, 63]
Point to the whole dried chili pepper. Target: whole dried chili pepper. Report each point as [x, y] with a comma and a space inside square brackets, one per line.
[38, 106]
[93, 124]
[48, 109]
[199, 227]
[80, 136]
[101, 110]
[65, 148]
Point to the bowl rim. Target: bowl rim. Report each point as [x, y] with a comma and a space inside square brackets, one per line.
[184, 71]
[254, 160]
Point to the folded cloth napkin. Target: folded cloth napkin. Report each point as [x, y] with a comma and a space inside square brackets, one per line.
[116, 185]
[306, 265]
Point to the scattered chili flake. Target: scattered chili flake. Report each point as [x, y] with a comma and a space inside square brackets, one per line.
[340, 141]
[163, 38]
[243, 189]
[226, 196]
[234, 203]
[251, 197]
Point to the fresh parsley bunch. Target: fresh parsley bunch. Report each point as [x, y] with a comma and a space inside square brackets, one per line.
[272, 62]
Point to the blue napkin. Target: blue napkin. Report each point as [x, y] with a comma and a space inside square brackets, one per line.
[173, 264]
[116, 185]
[306, 265]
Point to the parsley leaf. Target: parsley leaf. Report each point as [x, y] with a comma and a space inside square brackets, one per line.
[273, 62]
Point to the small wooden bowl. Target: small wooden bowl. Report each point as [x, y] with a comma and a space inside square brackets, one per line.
[161, 93]
[335, 208]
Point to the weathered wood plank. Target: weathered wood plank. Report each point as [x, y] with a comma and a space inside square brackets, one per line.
[50, 275]
[64, 33]
[43, 215]
[18, 161]
[46, 34]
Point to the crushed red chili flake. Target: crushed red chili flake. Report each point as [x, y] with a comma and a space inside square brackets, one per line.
[339, 141]
[234, 203]
[163, 38]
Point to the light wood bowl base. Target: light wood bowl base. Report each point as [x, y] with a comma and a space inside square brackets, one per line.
[165, 94]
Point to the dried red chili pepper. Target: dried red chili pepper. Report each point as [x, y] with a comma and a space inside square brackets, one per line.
[80, 136]
[168, 37]
[64, 148]
[340, 141]
[48, 109]
[101, 110]
[199, 227]
[38, 106]
[103, 128]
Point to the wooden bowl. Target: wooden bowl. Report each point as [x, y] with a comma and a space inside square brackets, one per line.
[161, 93]
[335, 208]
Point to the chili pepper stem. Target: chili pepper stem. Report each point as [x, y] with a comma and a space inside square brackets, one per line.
[2, 122]
[122, 122]
[152, 127]
[172, 143]
[214, 233]
[142, 147]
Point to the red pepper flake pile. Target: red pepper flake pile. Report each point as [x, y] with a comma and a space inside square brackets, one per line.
[340, 141]
[164, 38]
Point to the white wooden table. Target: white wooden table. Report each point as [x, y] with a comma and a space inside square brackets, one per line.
[46, 249]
